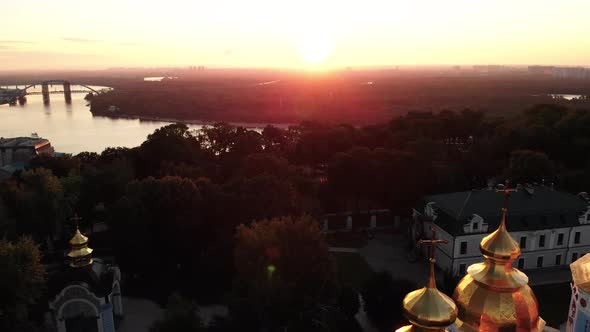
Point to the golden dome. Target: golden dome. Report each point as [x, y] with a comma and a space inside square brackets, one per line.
[500, 244]
[428, 308]
[78, 238]
[494, 296]
[79, 252]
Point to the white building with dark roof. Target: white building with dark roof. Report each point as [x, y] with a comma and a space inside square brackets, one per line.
[552, 227]
[22, 149]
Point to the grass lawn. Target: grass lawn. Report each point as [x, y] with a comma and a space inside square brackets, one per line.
[553, 302]
[353, 270]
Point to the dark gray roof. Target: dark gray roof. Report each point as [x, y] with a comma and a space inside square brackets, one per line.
[543, 209]
[22, 142]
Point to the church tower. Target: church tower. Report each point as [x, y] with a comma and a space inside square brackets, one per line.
[79, 253]
[494, 296]
[428, 309]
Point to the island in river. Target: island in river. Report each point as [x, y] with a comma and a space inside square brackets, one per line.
[356, 97]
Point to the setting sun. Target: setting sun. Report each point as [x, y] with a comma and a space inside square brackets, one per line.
[315, 49]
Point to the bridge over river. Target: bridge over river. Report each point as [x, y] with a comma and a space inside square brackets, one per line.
[12, 96]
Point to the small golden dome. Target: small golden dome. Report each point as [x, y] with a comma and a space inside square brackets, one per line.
[499, 244]
[78, 238]
[79, 252]
[428, 308]
[494, 296]
[75, 253]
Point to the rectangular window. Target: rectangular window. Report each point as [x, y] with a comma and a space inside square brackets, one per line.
[542, 241]
[475, 226]
[557, 259]
[463, 248]
[521, 263]
[462, 269]
[523, 242]
[560, 239]
[540, 261]
[577, 238]
[574, 257]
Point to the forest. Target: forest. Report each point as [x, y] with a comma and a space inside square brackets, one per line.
[358, 98]
[229, 215]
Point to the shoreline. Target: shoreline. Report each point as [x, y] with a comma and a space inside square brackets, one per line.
[249, 125]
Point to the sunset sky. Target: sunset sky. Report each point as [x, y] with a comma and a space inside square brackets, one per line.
[41, 34]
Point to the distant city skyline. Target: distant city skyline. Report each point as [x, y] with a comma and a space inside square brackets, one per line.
[64, 34]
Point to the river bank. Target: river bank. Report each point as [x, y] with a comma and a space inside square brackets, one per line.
[248, 125]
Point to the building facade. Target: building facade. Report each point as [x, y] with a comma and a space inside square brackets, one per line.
[551, 227]
[22, 149]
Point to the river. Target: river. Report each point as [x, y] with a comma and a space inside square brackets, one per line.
[72, 128]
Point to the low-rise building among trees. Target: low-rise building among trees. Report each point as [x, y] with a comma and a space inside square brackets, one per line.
[86, 294]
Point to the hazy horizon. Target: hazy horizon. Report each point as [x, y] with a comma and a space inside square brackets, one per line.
[63, 34]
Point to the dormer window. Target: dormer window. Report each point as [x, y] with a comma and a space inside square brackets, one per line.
[430, 210]
[475, 224]
[584, 217]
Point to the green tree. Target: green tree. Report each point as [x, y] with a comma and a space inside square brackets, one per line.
[39, 203]
[22, 280]
[282, 268]
[529, 166]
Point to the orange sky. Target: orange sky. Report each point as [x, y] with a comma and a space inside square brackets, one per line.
[56, 34]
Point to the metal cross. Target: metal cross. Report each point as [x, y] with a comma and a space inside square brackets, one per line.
[507, 191]
[76, 219]
[432, 244]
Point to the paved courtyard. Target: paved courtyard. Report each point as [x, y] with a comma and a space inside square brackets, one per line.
[387, 252]
[140, 314]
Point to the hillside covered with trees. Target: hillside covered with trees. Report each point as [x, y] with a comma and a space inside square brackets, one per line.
[217, 214]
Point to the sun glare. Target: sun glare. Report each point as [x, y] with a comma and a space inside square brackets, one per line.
[315, 49]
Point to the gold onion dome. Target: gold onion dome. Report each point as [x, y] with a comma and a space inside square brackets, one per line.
[79, 252]
[494, 296]
[427, 308]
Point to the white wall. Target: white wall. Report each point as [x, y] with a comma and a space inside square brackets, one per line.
[579, 250]
[448, 255]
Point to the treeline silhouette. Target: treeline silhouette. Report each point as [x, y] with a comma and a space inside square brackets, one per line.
[346, 97]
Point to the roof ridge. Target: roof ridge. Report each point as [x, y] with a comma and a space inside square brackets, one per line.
[464, 204]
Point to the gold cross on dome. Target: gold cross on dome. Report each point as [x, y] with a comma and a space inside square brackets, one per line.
[507, 191]
[75, 219]
[432, 243]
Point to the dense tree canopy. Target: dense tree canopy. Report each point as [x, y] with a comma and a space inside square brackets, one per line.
[282, 267]
[21, 281]
[181, 206]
